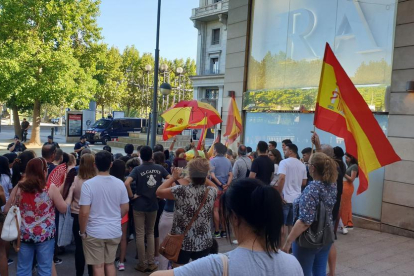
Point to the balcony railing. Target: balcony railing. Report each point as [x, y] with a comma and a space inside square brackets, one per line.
[211, 72]
[212, 9]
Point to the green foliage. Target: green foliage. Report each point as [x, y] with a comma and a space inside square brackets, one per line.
[110, 78]
[292, 99]
[280, 83]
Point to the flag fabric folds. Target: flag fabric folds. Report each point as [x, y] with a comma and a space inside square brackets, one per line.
[189, 115]
[234, 123]
[341, 110]
[211, 150]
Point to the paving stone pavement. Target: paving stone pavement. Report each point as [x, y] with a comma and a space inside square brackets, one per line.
[361, 252]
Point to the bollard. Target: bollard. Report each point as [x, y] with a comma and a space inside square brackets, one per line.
[52, 132]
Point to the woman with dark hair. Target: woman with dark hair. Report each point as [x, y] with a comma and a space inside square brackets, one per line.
[348, 189]
[5, 177]
[198, 240]
[324, 172]
[70, 175]
[86, 172]
[37, 204]
[254, 212]
[19, 166]
[276, 157]
[118, 170]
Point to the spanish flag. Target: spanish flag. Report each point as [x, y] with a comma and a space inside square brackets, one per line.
[171, 131]
[234, 123]
[342, 111]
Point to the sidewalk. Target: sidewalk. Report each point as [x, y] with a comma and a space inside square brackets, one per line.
[361, 252]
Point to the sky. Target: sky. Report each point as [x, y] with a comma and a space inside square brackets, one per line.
[134, 22]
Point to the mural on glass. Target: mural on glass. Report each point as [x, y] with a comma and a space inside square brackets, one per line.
[287, 45]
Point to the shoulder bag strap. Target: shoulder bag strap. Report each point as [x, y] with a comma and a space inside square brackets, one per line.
[17, 197]
[247, 167]
[225, 261]
[197, 212]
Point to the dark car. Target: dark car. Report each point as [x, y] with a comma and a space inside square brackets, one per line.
[104, 130]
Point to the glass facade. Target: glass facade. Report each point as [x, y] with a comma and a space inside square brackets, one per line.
[287, 42]
[297, 127]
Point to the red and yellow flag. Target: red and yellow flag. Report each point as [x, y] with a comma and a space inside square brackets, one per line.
[234, 123]
[171, 131]
[341, 110]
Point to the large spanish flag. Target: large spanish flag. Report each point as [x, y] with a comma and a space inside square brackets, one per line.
[342, 111]
[234, 123]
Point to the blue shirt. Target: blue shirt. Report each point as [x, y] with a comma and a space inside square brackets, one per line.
[308, 201]
[221, 167]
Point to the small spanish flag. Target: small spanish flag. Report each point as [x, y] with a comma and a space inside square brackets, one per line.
[341, 110]
[234, 122]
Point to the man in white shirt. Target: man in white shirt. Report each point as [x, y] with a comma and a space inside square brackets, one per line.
[292, 176]
[103, 202]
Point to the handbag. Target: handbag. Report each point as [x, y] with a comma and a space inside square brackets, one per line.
[65, 233]
[171, 245]
[11, 225]
[320, 232]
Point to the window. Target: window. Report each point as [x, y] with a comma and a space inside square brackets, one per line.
[215, 37]
[116, 125]
[211, 94]
[216, 1]
[214, 66]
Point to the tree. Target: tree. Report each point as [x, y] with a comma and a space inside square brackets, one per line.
[110, 76]
[131, 65]
[39, 42]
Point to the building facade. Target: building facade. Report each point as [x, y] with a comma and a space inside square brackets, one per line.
[272, 60]
[210, 19]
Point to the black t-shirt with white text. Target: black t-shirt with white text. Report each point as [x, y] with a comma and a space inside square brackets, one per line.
[264, 168]
[148, 177]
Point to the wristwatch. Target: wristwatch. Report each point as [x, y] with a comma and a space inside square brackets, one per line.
[82, 235]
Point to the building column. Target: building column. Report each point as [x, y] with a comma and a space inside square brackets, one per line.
[237, 29]
[398, 203]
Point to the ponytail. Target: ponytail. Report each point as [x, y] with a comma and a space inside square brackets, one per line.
[325, 166]
[259, 205]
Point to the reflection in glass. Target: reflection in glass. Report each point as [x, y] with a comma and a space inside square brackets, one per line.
[288, 40]
[297, 127]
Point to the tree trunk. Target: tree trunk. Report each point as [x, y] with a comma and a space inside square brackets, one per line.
[35, 135]
[128, 108]
[16, 122]
[103, 111]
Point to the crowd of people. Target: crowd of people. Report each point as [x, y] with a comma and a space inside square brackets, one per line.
[266, 201]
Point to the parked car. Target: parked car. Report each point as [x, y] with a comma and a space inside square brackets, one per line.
[56, 120]
[104, 130]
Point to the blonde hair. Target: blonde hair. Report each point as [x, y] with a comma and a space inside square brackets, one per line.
[72, 160]
[198, 169]
[86, 166]
[325, 166]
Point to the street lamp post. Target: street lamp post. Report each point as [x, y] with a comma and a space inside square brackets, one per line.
[148, 69]
[179, 71]
[156, 69]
